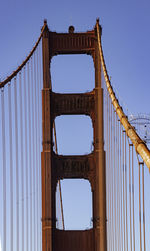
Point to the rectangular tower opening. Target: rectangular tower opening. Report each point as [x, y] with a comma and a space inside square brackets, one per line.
[72, 73]
[77, 204]
[74, 134]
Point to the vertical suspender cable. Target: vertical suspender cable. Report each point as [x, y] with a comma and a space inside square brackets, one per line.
[40, 105]
[140, 207]
[107, 166]
[59, 180]
[109, 163]
[11, 168]
[33, 155]
[117, 182]
[113, 195]
[120, 183]
[133, 222]
[117, 185]
[130, 193]
[37, 143]
[121, 189]
[123, 146]
[36, 140]
[21, 157]
[143, 195]
[114, 180]
[36, 151]
[38, 147]
[108, 153]
[115, 175]
[114, 206]
[126, 191]
[17, 165]
[26, 160]
[117, 191]
[4, 171]
[31, 151]
[110, 178]
[30, 157]
[112, 228]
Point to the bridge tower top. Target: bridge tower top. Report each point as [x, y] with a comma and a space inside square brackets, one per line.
[72, 42]
[56, 167]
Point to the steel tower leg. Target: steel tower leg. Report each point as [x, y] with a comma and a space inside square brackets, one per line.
[100, 183]
[47, 149]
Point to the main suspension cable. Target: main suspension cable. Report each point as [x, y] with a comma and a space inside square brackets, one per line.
[139, 144]
[14, 74]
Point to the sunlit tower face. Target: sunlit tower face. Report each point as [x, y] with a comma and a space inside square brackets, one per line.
[0, 245]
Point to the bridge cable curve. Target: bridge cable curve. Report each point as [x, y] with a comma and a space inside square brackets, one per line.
[10, 77]
[140, 146]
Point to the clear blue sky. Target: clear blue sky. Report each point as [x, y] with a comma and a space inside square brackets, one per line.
[125, 38]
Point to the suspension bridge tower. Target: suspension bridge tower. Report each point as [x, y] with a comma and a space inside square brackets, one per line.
[56, 167]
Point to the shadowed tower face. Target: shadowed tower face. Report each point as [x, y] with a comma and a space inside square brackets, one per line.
[55, 167]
